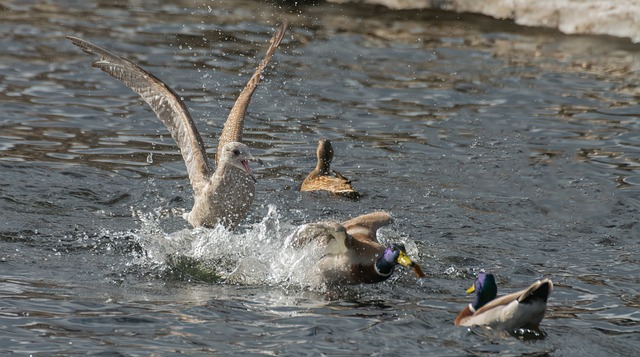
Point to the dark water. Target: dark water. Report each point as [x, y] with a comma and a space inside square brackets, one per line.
[497, 147]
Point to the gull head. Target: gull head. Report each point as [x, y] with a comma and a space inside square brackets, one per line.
[237, 154]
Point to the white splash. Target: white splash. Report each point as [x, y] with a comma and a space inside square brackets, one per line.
[258, 256]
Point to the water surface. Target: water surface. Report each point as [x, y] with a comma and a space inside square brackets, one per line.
[498, 147]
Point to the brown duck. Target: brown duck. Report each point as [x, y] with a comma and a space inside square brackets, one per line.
[352, 253]
[322, 178]
[221, 196]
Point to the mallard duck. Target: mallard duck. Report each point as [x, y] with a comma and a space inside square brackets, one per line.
[222, 196]
[352, 253]
[322, 178]
[522, 309]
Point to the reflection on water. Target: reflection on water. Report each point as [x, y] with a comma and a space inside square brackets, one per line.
[498, 147]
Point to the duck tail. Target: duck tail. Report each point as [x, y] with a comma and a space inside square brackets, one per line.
[537, 292]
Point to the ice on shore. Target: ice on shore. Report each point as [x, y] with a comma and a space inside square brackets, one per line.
[620, 18]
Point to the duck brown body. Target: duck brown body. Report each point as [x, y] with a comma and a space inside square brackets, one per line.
[323, 178]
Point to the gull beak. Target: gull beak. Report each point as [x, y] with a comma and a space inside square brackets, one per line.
[403, 259]
[247, 168]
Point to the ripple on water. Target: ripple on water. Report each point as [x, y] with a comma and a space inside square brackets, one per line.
[495, 146]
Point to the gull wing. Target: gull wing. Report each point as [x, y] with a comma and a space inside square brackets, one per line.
[232, 130]
[164, 102]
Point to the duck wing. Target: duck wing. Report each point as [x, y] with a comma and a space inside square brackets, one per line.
[365, 227]
[234, 125]
[330, 235]
[164, 102]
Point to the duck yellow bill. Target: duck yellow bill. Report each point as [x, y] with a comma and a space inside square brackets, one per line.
[404, 259]
[471, 289]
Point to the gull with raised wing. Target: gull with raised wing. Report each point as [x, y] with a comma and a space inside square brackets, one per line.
[222, 196]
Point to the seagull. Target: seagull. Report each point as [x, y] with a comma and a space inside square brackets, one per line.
[221, 196]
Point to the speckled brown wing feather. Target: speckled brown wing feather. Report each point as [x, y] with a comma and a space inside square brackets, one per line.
[337, 185]
[234, 125]
[164, 102]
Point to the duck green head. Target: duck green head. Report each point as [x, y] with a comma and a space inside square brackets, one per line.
[485, 288]
[393, 255]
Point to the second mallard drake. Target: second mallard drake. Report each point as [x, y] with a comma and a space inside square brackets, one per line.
[322, 178]
[522, 309]
[352, 253]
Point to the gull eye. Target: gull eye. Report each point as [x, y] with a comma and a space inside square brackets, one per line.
[236, 152]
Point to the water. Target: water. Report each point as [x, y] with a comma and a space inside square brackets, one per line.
[498, 147]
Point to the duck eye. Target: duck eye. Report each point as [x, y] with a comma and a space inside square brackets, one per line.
[236, 152]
